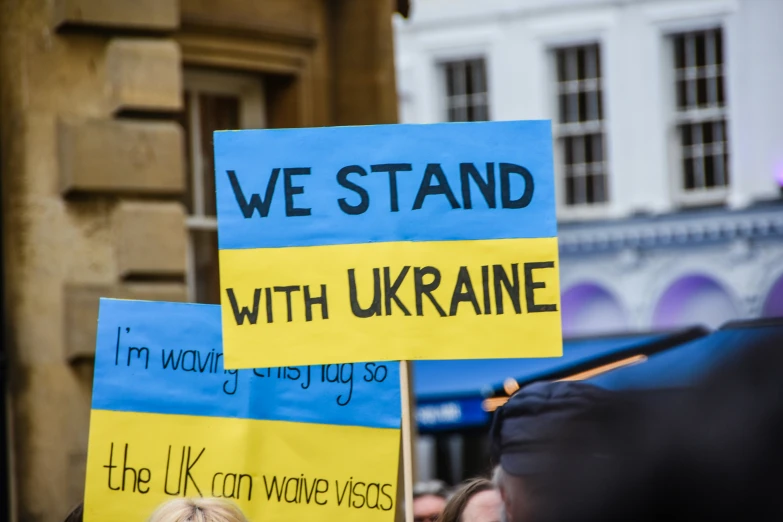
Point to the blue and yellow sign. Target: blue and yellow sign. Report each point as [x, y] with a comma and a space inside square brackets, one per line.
[288, 443]
[388, 242]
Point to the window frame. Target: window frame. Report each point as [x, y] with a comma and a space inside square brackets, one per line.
[704, 196]
[562, 130]
[442, 64]
[249, 89]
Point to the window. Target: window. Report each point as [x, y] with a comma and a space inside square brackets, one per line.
[700, 115]
[467, 98]
[213, 101]
[580, 129]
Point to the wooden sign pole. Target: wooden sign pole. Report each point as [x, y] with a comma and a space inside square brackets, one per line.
[407, 439]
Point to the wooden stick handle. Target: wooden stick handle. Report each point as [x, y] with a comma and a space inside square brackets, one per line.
[407, 440]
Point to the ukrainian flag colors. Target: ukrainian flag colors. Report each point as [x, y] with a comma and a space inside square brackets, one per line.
[397, 300]
[387, 243]
[302, 443]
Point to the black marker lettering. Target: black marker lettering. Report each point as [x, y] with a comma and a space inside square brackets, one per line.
[188, 476]
[364, 202]
[506, 169]
[311, 301]
[423, 289]
[226, 382]
[463, 292]
[117, 348]
[319, 491]
[391, 501]
[139, 351]
[295, 480]
[346, 380]
[239, 316]
[485, 288]
[179, 477]
[375, 307]
[291, 190]
[288, 290]
[256, 203]
[392, 169]
[427, 188]
[530, 287]
[268, 295]
[249, 490]
[390, 289]
[468, 171]
[278, 490]
[110, 466]
[512, 288]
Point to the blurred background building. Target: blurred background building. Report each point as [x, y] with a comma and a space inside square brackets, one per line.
[668, 145]
[106, 118]
[669, 165]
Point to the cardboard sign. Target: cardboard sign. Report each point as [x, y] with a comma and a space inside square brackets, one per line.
[292, 443]
[388, 242]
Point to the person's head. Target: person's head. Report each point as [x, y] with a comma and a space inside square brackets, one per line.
[524, 432]
[476, 500]
[197, 510]
[429, 499]
[710, 453]
[77, 514]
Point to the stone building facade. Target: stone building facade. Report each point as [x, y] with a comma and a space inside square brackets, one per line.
[106, 117]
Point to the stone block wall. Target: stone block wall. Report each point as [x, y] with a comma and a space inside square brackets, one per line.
[92, 173]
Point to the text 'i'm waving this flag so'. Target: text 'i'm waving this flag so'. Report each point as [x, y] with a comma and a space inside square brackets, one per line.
[387, 242]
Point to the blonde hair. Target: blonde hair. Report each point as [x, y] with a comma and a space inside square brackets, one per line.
[197, 510]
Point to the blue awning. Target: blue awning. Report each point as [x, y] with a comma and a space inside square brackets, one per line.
[449, 394]
[684, 365]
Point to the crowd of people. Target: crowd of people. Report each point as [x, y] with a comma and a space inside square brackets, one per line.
[572, 452]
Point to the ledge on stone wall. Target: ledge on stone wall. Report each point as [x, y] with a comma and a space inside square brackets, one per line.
[81, 310]
[121, 157]
[150, 240]
[131, 64]
[147, 15]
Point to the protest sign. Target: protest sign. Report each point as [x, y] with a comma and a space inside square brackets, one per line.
[314, 443]
[387, 242]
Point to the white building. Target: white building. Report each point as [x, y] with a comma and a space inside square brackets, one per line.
[668, 126]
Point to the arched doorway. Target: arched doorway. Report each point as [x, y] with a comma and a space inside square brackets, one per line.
[590, 309]
[773, 304]
[694, 300]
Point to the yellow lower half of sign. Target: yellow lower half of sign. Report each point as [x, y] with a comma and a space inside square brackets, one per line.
[274, 471]
[390, 301]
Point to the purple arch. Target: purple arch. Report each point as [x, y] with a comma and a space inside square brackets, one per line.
[773, 304]
[589, 309]
[693, 300]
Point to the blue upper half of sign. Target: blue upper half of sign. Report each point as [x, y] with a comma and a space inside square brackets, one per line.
[344, 185]
[168, 358]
